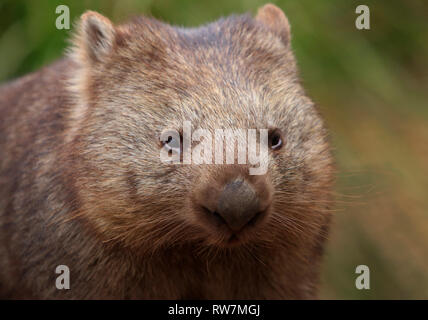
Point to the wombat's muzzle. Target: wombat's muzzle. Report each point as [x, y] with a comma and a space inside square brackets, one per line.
[238, 204]
[229, 199]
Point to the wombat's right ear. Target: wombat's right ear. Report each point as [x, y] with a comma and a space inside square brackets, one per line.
[96, 36]
[275, 19]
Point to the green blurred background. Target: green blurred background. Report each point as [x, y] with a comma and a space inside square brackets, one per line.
[372, 88]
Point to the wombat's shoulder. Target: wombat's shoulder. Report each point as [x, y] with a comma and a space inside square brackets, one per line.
[33, 108]
[48, 81]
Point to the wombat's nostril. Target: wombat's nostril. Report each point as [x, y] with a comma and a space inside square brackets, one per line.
[238, 204]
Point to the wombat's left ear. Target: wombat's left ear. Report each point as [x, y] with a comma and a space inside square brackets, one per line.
[96, 36]
[275, 19]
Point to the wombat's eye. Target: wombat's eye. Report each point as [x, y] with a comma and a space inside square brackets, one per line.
[173, 144]
[275, 139]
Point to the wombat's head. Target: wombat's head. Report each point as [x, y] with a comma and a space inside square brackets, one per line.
[144, 89]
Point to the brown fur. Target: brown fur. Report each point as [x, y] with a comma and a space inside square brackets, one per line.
[81, 183]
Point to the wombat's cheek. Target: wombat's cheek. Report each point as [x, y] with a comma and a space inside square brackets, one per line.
[229, 204]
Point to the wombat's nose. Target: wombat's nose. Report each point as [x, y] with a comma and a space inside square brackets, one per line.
[238, 204]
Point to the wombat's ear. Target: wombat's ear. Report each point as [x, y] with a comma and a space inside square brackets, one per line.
[96, 36]
[275, 19]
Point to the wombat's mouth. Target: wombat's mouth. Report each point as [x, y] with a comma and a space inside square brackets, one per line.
[233, 239]
[231, 236]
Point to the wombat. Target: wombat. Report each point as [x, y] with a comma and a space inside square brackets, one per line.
[82, 184]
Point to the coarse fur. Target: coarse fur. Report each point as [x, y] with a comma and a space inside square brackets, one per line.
[82, 185]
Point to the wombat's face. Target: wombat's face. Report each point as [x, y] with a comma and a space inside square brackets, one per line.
[153, 178]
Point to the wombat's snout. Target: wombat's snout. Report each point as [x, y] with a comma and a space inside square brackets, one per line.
[234, 203]
[238, 204]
